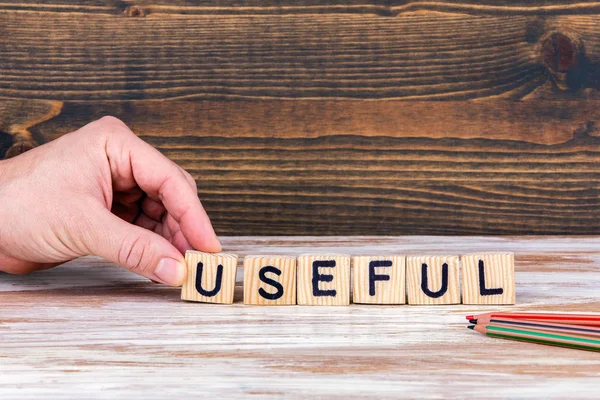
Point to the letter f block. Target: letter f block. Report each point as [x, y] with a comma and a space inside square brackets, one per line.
[379, 280]
[324, 280]
[433, 280]
[210, 278]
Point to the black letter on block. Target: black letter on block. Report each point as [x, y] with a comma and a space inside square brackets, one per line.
[316, 278]
[425, 285]
[261, 275]
[482, 289]
[375, 277]
[217, 288]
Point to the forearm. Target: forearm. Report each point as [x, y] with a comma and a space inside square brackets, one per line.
[24, 217]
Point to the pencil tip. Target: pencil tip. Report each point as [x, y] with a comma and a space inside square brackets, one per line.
[470, 317]
[472, 321]
[471, 327]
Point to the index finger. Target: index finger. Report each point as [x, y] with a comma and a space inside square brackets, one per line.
[131, 158]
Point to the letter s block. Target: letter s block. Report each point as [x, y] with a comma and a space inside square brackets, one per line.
[488, 278]
[379, 280]
[433, 280]
[324, 280]
[210, 278]
[270, 280]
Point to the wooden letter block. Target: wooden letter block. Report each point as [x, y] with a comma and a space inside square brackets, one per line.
[433, 279]
[379, 280]
[270, 280]
[324, 280]
[488, 278]
[211, 277]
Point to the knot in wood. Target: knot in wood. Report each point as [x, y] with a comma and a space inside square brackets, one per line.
[559, 52]
[134, 11]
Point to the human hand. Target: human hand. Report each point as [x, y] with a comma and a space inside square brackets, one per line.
[100, 190]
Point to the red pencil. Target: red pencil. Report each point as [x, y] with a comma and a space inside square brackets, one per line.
[572, 319]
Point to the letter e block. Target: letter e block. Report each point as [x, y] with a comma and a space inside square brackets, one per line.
[433, 280]
[488, 278]
[270, 280]
[379, 280]
[324, 280]
[210, 278]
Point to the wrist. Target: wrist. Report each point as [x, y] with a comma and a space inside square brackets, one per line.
[3, 172]
[5, 166]
[3, 204]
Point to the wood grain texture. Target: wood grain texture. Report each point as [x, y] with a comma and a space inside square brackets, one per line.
[383, 7]
[410, 50]
[323, 280]
[16, 119]
[95, 330]
[330, 117]
[390, 291]
[499, 269]
[439, 293]
[380, 167]
[286, 278]
[217, 279]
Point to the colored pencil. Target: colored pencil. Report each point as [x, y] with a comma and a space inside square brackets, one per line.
[547, 338]
[571, 319]
[579, 330]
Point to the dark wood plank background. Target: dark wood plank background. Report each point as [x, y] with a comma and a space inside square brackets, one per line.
[331, 117]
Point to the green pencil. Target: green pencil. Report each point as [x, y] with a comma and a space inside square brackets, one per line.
[532, 336]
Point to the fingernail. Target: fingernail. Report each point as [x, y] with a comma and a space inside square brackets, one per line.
[170, 271]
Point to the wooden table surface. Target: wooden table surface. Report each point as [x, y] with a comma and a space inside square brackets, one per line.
[90, 329]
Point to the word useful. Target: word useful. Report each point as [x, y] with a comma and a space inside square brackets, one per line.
[487, 278]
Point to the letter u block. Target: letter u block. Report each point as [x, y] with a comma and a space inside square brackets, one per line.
[324, 280]
[433, 280]
[270, 280]
[379, 280]
[210, 278]
[488, 278]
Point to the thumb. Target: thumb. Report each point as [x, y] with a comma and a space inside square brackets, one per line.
[137, 249]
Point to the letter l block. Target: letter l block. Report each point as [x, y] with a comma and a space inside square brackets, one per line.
[210, 278]
[488, 278]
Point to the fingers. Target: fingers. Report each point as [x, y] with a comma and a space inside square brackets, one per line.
[131, 196]
[173, 230]
[164, 182]
[153, 209]
[125, 204]
[148, 223]
[168, 228]
[125, 212]
[137, 249]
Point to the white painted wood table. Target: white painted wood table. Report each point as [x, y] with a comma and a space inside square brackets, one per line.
[89, 329]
